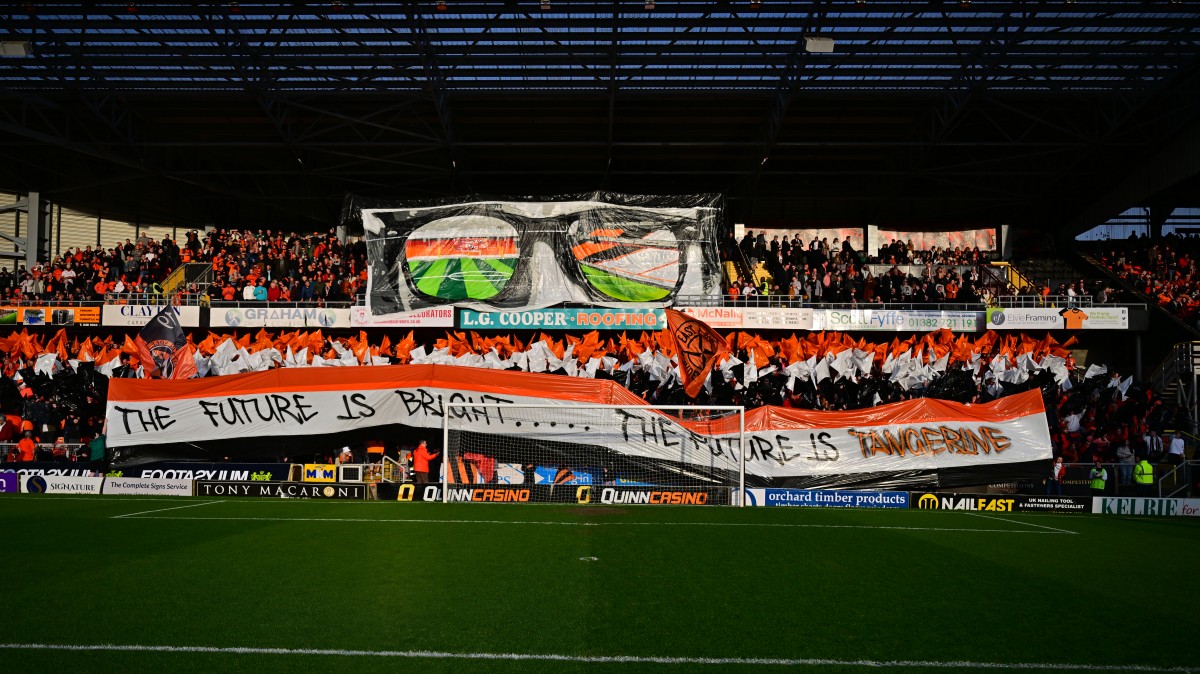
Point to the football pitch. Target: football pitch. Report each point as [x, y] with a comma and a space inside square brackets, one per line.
[180, 585]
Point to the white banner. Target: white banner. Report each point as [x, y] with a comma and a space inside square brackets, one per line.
[52, 484]
[137, 315]
[912, 436]
[433, 317]
[147, 485]
[1072, 318]
[279, 317]
[886, 320]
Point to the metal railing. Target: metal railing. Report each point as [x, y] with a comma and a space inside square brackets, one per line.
[72, 451]
[1043, 301]
[1178, 479]
[783, 301]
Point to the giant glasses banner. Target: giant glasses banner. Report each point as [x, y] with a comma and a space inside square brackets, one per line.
[601, 249]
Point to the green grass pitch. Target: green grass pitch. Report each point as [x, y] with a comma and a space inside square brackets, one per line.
[659, 589]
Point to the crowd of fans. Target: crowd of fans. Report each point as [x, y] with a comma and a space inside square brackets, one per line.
[824, 272]
[247, 265]
[278, 267]
[1090, 416]
[1162, 269]
[87, 274]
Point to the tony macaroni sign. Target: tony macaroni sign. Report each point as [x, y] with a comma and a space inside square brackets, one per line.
[921, 434]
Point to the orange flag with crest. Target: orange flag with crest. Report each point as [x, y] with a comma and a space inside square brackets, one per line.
[698, 347]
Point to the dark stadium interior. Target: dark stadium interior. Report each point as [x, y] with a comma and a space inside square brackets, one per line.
[1034, 114]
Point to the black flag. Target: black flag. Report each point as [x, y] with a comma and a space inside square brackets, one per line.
[158, 342]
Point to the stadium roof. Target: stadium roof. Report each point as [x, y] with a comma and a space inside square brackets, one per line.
[981, 112]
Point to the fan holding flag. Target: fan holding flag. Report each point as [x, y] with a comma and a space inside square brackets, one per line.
[698, 347]
[163, 348]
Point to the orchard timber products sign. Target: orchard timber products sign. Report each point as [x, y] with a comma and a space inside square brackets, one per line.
[921, 434]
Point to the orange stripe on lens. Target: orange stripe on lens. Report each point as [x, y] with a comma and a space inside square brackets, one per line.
[606, 232]
[589, 248]
[471, 246]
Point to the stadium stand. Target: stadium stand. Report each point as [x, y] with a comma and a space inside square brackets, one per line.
[1161, 270]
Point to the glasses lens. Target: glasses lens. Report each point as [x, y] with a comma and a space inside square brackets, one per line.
[469, 257]
[629, 263]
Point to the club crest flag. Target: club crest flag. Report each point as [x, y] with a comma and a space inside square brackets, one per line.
[698, 347]
[158, 343]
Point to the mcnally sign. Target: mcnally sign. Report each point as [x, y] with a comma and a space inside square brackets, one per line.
[921, 434]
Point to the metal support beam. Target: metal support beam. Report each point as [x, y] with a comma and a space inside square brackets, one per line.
[34, 247]
[1177, 161]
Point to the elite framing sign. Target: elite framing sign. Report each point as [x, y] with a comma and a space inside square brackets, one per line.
[917, 435]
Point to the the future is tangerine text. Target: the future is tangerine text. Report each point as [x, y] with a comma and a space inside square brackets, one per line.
[929, 440]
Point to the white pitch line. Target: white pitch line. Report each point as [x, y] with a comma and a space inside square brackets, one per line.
[604, 659]
[1031, 524]
[144, 512]
[602, 524]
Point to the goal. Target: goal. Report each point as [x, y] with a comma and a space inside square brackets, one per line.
[591, 454]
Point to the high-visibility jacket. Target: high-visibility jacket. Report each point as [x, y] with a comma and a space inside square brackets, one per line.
[1143, 472]
[1099, 477]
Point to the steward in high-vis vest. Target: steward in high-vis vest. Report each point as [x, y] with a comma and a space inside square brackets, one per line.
[1099, 476]
[1143, 477]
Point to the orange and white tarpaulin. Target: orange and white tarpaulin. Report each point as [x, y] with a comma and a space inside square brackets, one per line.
[922, 434]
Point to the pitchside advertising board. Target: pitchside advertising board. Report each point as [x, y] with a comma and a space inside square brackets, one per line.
[1067, 318]
[49, 484]
[137, 315]
[823, 498]
[8, 483]
[337, 490]
[1003, 503]
[177, 470]
[279, 317]
[563, 493]
[50, 315]
[566, 319]
[433, 317]
[147, 486]
[870, 320]
[1153, 507]
[48, 468]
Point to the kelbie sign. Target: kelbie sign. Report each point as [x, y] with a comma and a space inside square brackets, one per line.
[922, 434]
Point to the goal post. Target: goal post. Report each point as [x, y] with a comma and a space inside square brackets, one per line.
[592, 454]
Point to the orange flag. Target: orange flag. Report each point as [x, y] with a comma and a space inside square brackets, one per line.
[698, 347]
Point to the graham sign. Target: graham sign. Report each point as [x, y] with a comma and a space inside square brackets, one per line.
[280, 317]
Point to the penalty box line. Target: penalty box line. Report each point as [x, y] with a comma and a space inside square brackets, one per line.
[1029, 524]
[598, 659]
[766, 525]
[160, 510]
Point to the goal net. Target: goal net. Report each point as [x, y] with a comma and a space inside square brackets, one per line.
[590, 454]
